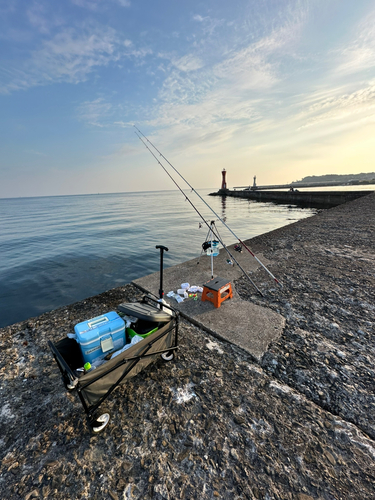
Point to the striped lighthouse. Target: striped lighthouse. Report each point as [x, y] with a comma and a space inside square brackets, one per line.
[224, 182]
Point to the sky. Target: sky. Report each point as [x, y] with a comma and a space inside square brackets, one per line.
[280, 89]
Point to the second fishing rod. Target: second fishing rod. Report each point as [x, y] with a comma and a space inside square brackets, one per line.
[201, 216]
[208, 206]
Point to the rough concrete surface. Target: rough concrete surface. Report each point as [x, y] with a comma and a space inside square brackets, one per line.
[327, 349]
[214, 423]
[239, 321]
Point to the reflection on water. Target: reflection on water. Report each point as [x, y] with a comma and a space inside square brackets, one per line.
[223, 207]
[58, 250]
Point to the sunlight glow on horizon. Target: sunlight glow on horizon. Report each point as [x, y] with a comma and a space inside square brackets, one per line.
[280, 90]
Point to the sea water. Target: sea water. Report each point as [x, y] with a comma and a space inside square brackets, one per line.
[61, 249]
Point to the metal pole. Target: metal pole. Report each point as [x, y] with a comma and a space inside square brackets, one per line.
[212, 254]
[161, 291]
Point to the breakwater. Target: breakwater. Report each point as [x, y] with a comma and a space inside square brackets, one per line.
[316, 199]
[298, 424]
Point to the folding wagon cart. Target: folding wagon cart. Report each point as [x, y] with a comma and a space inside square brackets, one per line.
[156, 322]
[95, 386]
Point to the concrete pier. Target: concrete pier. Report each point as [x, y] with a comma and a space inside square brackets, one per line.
[296, 423]
[315, 199]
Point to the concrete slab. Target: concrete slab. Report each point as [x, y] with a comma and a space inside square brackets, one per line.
[240, 322]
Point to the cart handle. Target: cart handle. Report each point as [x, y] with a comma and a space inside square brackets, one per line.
[156, 302]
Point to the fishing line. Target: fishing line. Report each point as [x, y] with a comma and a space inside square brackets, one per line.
[212, 210]
[200, 215]
[202, 248]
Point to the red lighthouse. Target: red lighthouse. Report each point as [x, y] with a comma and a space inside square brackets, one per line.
[224, 182]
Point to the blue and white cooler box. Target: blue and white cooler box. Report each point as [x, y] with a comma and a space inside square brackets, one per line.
[101, 335]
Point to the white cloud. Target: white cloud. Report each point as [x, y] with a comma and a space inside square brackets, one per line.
[230, 97]
[227, 83]
[359, 55]
[340, 98]
[69, 56]
[188, 63]
[37, 17]
[123, 124]
[87, 4]
[199, 18]
[139, 53]
[337, 104]
[208, 24]
[93, 112]
[248, 69]
[95, 4]
[222, 92]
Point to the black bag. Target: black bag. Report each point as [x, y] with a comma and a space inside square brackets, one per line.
[71, 352]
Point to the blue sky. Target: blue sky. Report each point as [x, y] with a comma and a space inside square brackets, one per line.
[279, 89]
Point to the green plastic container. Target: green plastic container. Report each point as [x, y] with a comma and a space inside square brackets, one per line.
[131, 333]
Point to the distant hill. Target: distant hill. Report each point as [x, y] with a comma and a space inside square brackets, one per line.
[368, 178]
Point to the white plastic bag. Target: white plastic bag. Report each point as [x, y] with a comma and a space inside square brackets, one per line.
[129, 320]
[195, 289]
[135, 340]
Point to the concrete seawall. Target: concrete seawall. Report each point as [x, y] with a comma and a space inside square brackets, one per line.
[317, 199]
[296, 422]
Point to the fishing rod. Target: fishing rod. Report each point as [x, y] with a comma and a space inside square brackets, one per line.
[212, 210]
[200, 215]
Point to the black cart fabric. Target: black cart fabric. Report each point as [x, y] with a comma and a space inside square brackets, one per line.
[71, 352]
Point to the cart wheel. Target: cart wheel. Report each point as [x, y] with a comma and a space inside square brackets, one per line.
[100, 423]
[167, 356]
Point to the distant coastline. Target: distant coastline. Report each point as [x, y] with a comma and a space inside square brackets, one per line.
[350, 179]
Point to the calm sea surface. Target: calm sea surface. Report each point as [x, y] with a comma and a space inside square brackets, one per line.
[58, 250]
